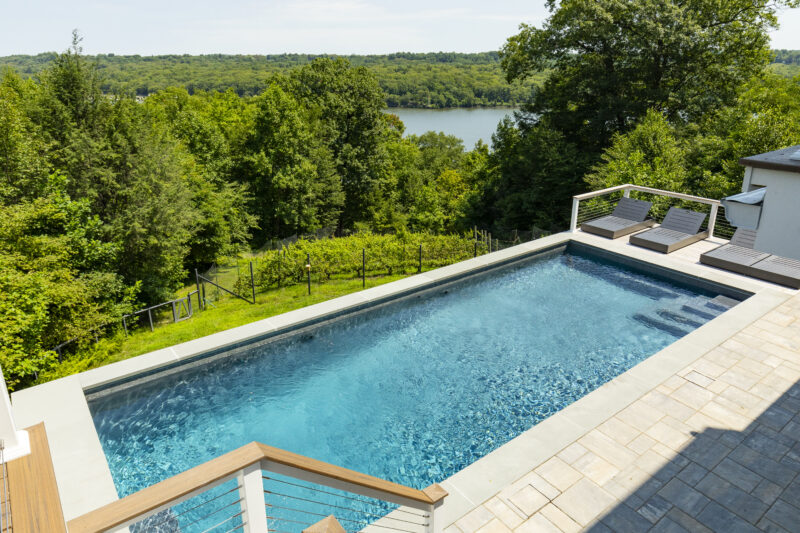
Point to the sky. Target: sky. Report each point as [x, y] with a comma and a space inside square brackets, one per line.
[149, 27]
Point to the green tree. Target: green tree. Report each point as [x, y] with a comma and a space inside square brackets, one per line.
[608, 62]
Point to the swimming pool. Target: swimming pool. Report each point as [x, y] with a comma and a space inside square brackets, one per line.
[413, 391]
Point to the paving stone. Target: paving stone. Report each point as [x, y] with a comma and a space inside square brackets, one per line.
[607, 448]
[668, 405]
[770, 527]
[692, 473]
[623, 518]
[667, 435]
[640, 415]
[785, 515]
[558, 473]
[734, 473]
[619, 430]
[475, 519]
[633, 481]
[739, 378]
[557, 517]
[505, 513]
[705, 451]
[767, 491]
[686, 521]
[720, 519]
[733, 498]
[641, 444]
[683, 497]
[528, 500]
[727, 417]
[494, 526]
[766, 467]
[452, 529]
[792, 494]
[692, 395]
[595, 468]
[765, 445]
[699, 379]
[666, 525]
[708, 368]
[538, 482]
[584, 501]
[537, 524]
[776, 417]
[654, 508]
[572, 453]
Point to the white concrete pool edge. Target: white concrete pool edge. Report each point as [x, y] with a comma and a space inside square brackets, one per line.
[84, 478]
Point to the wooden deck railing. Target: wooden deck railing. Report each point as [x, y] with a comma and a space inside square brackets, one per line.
[246, 465]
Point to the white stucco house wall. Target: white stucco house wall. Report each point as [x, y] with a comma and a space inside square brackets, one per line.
[779, 225]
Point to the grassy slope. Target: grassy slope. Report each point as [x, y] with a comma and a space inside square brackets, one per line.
[231, 312]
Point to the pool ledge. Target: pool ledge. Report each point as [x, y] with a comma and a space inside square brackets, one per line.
[85, 481]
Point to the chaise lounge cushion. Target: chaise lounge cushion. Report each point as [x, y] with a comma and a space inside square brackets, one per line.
[629, 216]
[737, 255]
[681, 227]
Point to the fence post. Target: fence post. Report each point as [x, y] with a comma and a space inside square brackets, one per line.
[363, 267]
[573, 221]
[251, 493]
[308, 270]
[489, 237]
[125, 325]
[419, 270]
[476, 248]
[150, 318]
[712, 219]
[174, 313]
[197, 281]
[252, 282]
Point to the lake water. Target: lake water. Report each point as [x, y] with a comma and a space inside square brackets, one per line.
[468, 124]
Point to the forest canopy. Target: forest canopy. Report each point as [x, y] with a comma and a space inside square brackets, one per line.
[427, 80]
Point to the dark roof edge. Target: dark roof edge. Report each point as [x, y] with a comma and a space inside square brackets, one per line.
[769, 165]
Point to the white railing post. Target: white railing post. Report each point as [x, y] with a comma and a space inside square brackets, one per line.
[626, 193]
[15, 442]
[251, 492]
[573, 222]
[431, 526]
[712, 219]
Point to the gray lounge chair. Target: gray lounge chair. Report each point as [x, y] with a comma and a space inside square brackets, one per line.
[736, 256]
[777, 269]
[628, 216]
[681, 227]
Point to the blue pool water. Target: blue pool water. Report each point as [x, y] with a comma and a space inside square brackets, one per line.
[413, 391]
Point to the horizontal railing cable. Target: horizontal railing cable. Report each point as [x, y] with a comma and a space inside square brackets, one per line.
[212, 513]
[351, 509]
[298, 485]
[195, 507]
[340, 519]
[215, 526]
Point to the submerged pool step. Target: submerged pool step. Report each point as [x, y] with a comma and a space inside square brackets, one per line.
[667, 327]
[679, 318]
[626, 281]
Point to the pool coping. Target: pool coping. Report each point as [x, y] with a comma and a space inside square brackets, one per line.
[84, 477]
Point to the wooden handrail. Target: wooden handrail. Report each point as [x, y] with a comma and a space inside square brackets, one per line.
[225, 466]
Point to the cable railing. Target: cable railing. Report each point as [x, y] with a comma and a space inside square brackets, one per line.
[599, 203]
[5, 502]
[260, 489]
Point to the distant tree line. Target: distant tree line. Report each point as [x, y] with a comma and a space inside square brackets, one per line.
[432, 80]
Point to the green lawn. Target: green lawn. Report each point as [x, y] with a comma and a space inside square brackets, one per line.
[232, 312]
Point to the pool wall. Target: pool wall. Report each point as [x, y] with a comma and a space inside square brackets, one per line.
[84, 478]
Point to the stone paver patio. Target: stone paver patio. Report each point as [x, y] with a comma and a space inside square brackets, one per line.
[715, 447]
